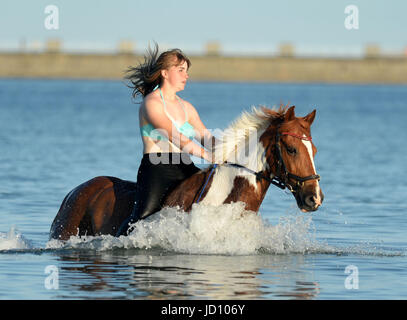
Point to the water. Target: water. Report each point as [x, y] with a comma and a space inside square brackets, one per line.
[56, 134]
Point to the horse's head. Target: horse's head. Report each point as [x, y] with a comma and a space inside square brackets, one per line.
[290, 155]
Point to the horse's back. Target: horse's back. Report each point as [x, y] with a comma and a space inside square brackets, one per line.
[97, 206]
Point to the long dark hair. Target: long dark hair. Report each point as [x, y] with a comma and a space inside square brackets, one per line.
[146, 76]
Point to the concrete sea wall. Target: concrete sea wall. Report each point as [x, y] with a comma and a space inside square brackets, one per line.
[210, 68]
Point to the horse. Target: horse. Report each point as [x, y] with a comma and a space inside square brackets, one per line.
[281, 154]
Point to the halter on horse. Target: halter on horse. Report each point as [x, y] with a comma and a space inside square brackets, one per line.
[283, 156]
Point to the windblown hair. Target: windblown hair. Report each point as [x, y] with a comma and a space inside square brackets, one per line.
[147, 75]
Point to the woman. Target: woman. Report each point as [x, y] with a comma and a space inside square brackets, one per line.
[168, 124]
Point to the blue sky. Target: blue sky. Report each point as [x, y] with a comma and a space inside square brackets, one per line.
[250, 26]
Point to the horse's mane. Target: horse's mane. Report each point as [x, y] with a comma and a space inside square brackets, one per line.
[239, 131]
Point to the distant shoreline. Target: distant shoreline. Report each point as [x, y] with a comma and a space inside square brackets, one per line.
[376, 70]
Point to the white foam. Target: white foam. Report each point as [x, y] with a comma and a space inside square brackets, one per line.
[225, 229]
[13, 240]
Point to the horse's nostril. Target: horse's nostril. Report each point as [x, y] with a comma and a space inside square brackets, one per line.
[310, 201]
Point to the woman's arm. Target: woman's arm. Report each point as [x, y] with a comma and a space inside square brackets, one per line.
[203, 135]
[156, 116]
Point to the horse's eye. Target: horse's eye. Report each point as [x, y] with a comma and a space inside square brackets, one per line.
[291, 150]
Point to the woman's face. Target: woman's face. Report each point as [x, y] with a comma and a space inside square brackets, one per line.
[177, 76]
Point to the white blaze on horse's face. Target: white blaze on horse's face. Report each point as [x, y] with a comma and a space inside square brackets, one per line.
[308, 145]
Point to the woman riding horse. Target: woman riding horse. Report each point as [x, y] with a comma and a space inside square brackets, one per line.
[168, 126]
[281, 153]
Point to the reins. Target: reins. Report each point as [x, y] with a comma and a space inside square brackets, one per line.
[259, 175]
[206, 182]
[281, 179]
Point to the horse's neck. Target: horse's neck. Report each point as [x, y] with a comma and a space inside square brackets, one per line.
[231, 184]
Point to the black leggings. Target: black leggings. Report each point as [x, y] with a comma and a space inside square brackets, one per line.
[155, 182]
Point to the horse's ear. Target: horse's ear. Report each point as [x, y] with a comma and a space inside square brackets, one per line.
[290, 115]
[310, 117]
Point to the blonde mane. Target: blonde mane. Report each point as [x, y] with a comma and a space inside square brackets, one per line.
[237, 134]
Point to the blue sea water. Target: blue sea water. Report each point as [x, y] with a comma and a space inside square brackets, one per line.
[56, 134]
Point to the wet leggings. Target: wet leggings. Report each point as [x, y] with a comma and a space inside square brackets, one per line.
[158, 175]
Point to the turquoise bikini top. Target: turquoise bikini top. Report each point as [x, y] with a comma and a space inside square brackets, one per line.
[186, 128]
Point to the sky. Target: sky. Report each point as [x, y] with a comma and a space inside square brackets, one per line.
[241, 27]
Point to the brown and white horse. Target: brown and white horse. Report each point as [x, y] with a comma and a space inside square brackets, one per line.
[260, 148]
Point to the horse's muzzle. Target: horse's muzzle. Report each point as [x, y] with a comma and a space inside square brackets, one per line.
[309, 201]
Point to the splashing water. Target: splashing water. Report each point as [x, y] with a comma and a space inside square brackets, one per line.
[226, 229]
[13, 240]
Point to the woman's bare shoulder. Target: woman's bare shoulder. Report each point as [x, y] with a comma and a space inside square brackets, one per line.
[151, 103]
